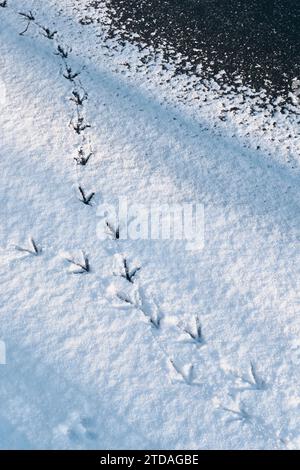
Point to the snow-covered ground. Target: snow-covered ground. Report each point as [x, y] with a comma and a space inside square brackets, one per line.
[85, 366]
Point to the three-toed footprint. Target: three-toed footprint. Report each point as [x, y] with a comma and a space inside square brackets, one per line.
[79, 430]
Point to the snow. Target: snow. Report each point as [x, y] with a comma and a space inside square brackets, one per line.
[84, 367]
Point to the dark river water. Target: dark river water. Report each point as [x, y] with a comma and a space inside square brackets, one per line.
[256, 39]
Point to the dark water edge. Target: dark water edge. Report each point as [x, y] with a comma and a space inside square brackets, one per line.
[256, 40]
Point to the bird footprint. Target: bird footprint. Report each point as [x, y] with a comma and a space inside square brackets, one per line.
[82, 429]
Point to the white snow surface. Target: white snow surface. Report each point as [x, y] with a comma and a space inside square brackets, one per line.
[84, 369]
